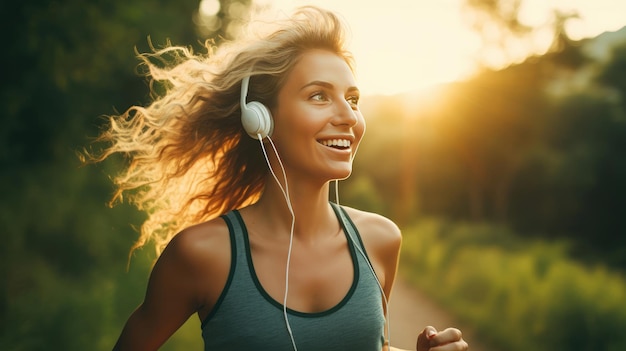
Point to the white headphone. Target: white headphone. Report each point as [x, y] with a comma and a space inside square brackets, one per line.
[255, 117]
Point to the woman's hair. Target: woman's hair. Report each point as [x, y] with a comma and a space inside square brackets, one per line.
[189, 158]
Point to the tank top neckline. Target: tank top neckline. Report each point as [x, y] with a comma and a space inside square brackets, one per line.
[279, 305]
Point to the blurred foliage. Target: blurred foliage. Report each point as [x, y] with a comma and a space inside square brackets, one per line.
[63, 278]
[516, 294]
[523, 147]
[502, 32]
[529, 145]
[224, 24]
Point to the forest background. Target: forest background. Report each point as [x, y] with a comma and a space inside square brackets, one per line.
[509, 186]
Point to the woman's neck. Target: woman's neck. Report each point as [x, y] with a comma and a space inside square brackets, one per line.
[313, 214]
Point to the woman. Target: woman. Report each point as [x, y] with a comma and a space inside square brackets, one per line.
[233, 164]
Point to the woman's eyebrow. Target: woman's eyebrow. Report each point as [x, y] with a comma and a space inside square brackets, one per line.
[327, 85]
[354, 90]
[320, 83]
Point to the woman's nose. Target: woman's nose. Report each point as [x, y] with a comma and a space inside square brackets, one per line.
[345, 115]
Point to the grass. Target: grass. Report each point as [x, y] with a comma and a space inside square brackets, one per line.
[516, 294]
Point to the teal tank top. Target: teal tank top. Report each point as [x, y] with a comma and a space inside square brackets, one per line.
[245, 317]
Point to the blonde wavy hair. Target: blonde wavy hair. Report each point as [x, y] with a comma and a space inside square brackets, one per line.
[189, 158]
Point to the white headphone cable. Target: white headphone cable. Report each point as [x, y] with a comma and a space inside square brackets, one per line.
[285, 192]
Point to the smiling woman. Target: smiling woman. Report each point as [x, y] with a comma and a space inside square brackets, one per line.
[206, 160]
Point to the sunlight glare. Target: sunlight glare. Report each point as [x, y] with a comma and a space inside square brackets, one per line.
[209, 7]
[411, 45]
[402, 45]
[534, 13]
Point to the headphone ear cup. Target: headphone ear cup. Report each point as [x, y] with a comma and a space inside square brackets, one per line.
[257, 120]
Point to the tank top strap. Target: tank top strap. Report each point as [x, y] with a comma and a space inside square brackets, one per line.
[238, 241]
[232, 219]
[237, 260]
[238, 235]
[349, 227]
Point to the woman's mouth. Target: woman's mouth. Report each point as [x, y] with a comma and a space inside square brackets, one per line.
[340, 144]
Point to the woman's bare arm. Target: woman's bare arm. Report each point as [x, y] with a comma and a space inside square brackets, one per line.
[188, 276]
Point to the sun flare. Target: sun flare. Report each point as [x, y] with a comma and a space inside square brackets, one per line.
[412, 45]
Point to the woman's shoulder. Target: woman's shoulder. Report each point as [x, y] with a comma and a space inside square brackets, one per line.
[194, 266]
[375, 228]
[200, 246]
[370, 221]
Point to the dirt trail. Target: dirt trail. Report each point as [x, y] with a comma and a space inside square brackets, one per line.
[410, 311]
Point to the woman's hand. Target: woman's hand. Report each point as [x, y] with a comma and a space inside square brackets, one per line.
[450, 339]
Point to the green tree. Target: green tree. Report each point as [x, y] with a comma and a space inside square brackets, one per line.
[63, 279]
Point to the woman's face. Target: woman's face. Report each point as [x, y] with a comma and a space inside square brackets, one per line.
[318, 124]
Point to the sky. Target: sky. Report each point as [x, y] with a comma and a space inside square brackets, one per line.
[410, 45]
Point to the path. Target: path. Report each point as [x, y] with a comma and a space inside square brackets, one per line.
[410, 311]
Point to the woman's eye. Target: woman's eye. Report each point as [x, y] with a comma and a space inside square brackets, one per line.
[318, 97]
[353, 101]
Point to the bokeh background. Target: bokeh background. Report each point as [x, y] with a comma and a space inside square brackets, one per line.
[504, 163]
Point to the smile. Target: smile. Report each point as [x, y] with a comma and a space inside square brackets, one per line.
[341, 144]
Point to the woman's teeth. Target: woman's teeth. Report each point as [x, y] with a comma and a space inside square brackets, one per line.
[337, 143]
